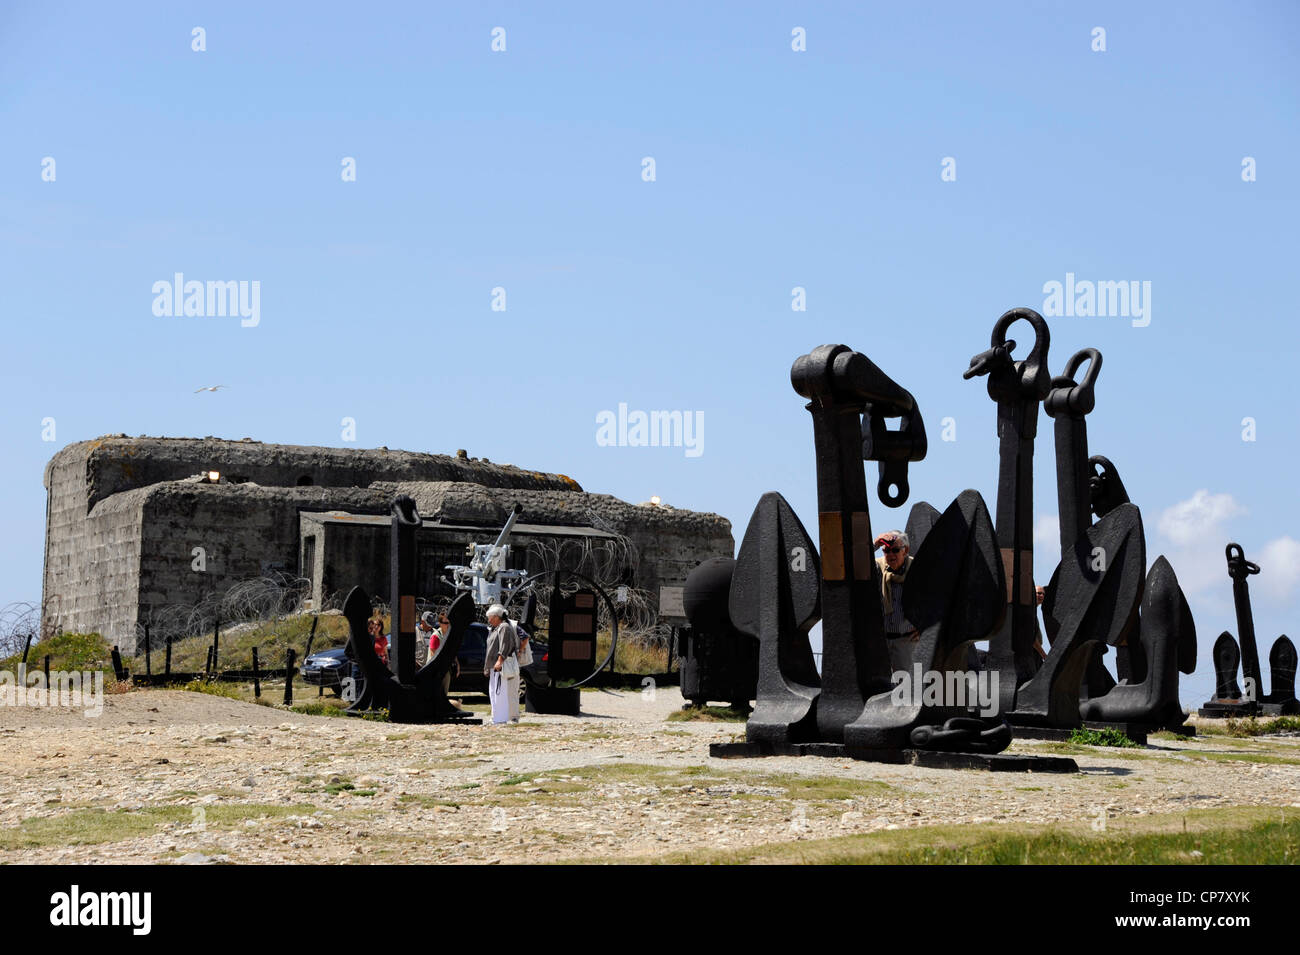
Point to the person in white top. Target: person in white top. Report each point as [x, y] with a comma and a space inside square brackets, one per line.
[501, 666]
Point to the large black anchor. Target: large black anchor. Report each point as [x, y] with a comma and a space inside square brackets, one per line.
[1163, 640]
[955, 595]
[411, 695]
[422, 700]
[1239, 569]
[843, 385]
[1018, 387]
[775, 597]
[1068, 403]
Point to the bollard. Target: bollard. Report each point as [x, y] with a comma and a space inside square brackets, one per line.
[167, 663]
[289, 656]
[117, 665]
[257, 681]
[148, 665]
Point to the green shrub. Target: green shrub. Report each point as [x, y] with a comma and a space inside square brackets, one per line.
[67, 651]
[1110, 737]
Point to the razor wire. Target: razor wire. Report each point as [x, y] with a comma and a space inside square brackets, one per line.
[18, 621]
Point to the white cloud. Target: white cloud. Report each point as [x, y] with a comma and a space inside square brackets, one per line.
[1193, 534]
[1279, 568]
[1199, 518]
[1047, 543]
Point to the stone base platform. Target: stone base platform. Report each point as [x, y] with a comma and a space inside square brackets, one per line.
[931, 759]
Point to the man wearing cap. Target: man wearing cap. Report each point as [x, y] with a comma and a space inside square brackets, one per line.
[501, 667]
[893, 565]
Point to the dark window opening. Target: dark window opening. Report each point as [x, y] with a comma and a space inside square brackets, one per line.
[305, 481]
[308, 568]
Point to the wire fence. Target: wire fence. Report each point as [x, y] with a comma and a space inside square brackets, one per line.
[612, 562]
[250, 602]
[19, 622]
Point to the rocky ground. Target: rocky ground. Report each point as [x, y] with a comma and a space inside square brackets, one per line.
[168, 775]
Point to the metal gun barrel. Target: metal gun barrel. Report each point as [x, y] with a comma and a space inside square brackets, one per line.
[505, 531]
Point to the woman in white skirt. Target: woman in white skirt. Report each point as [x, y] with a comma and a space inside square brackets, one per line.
[501, 666]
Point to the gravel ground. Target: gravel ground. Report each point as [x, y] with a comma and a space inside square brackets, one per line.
[167, 775]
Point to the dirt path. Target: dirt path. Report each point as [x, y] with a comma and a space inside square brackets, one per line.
[167, 775]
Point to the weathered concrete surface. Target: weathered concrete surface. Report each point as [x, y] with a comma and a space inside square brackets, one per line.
[116, 463]
[670, 542]
[125, 515]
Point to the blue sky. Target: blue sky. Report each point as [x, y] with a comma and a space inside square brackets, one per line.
[774, 169]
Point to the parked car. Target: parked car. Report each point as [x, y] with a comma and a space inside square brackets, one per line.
[328, 668]
[470, 659]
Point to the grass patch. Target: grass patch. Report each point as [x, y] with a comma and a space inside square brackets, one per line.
[1246, 758]
[422, 801]
[707, 714]
[67, 651]
[83, 827]
[1255, 727]
[235, 648]
[1109, 737]
[212, 688]
[332, 706]
[1076, 749]
[1242, 836]
[632, 656]
[791, 785]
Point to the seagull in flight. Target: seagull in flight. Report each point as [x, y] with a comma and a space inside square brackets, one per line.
[209, 388]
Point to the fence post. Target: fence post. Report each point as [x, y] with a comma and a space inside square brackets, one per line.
[47, 667]
[148, 665]
[167, 664]
[289, 656]
[28, 647]
[311, 636]
[216, 643]
[257, 681]
[207, 663]
[117, 666]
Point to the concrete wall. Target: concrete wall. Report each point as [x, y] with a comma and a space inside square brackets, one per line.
[117, 463]
[246, 531]
[123, 517]
[92, 560]
[670, 542]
